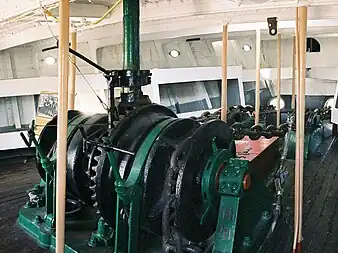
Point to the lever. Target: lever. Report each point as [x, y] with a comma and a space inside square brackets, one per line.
[102, 145]
[82, 57]
[28, 143]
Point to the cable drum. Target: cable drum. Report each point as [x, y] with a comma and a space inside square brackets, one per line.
[47, 138]
[156, 168]
[128, 134]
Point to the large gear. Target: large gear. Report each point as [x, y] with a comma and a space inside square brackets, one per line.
[128, 135]
[94, 158]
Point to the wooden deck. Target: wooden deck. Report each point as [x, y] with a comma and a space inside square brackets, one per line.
[320, 205]
[320, 213]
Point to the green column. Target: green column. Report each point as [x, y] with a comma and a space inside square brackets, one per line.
[131, 39]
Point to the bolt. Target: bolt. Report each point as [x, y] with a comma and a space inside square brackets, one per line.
[93, 241]
[37, 219]
[238, 172]
[265, 215]
[247, 242]
[234, 187]
[226, 172]
[225, 186]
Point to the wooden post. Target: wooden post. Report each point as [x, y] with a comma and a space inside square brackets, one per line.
[296, 211]
[62, 125]
[224, 95]
[302, 60]
[72, 74]
[293, 102]
[258, 75]
[279, 69]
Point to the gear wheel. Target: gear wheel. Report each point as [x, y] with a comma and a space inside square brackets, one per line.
[128, 134]
[92, 171]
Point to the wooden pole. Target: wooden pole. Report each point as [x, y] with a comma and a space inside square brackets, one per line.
[224, 74]
[302, 60]
[258, 76]
[279, 70]
[296, 211]
[72, 74]
[62, 125]
[293, 102]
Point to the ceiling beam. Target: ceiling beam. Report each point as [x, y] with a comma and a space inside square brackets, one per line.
[84, 10]
[159, 22]
[13, 8]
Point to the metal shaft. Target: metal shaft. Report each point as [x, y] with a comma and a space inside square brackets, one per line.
[131, 39]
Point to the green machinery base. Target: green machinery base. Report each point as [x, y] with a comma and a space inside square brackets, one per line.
[76, 239]
[312, 140]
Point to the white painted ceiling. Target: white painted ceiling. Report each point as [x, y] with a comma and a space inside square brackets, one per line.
[165, 25]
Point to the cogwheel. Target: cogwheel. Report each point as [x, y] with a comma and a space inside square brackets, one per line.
[92, 169]
[92, 172]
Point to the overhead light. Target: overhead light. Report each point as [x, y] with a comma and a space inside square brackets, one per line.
[174, 53]
[273, 102]
[246, 48]
[49, 60]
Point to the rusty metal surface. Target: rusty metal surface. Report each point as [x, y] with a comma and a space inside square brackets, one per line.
[248, 149]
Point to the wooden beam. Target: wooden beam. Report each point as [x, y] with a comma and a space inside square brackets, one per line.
[296, 211]
[61, 147]
[224, 105]
[279, 69]
[293, 87]
[258, 75]
[303, 11]
[72, 59]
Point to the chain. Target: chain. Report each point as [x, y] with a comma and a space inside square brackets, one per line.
[239, 131]
[239, 118]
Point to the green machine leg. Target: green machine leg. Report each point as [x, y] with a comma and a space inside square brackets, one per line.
[129, 192]
[230, 188]
[292, 145]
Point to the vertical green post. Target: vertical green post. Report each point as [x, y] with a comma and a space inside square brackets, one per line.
[131, 39]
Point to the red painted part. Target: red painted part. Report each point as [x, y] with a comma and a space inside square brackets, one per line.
[299, 247]
[247, 149]
[219, 172]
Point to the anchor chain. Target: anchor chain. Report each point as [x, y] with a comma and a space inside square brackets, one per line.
[239, 131]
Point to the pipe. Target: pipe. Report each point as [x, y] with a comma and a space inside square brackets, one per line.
[302, 62]
[62, 119]
[131, 31]
[71, 98]
[296, 211]
[293, 87]
[278, 76]
[224, 74]
[258, 76]
[107, 12]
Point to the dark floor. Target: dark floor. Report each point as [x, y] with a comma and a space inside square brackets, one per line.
[320, 204]
[320, 211]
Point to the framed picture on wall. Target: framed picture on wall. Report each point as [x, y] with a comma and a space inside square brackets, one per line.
[46, 109]
[47, 105]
